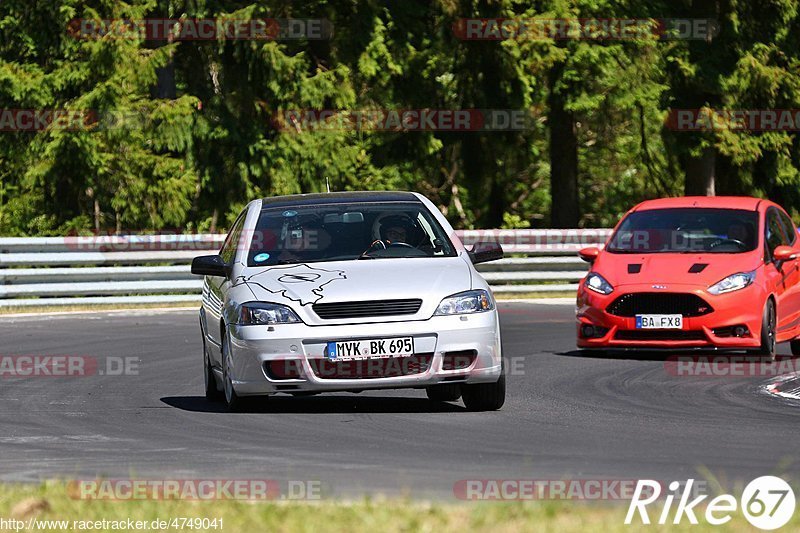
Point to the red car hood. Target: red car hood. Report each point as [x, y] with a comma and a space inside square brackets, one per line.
[673, 268]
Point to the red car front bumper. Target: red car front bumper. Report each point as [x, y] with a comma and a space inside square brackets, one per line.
[615, 326]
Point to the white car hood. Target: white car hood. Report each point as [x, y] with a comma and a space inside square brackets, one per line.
[301, 285]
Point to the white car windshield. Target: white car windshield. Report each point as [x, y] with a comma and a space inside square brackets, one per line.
[346, 231]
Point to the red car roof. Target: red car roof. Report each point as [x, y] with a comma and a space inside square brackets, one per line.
[720, 202]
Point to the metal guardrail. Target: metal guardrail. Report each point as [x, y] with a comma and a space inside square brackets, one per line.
[121, 270]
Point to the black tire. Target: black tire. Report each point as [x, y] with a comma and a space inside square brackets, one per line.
[443, 393]
[485, 396]
[212, 392]
[769, 320]
[233, 401]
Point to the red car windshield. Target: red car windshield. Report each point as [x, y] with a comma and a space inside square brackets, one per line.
[686, 230]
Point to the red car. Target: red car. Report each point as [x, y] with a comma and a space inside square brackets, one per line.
[694, 272]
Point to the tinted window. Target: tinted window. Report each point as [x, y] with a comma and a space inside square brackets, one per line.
[789, 228]
[687, 230]
[342, 232]
[228, 251]
[775, 236]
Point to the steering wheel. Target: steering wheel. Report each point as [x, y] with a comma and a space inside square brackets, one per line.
[372, 247]
[721, 241]
[403, 244]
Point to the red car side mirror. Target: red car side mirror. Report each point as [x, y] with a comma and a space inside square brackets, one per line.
[589, 254]
[784, 253]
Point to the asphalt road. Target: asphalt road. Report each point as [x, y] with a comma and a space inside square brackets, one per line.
[567, 416]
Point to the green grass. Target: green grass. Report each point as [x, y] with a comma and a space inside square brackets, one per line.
[51, 501]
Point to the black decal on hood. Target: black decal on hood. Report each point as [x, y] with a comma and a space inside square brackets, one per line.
[298, 283]
[299, 278]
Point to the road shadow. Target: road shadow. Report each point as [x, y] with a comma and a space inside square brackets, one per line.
[665, 355]
[281, 404]
[638, 355]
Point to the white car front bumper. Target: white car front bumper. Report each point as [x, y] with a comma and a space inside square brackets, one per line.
[471, 340]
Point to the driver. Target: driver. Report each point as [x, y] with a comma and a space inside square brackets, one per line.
[398, 229]
[737, 232]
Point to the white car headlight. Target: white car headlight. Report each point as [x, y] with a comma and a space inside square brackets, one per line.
[598, 283]
[476, 301]
[262, 313]
[734, 282]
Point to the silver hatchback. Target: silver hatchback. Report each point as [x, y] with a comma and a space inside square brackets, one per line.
[348, 292]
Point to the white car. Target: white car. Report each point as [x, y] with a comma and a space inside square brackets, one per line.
[347, 292]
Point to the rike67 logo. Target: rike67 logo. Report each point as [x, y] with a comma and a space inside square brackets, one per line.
[767, 503]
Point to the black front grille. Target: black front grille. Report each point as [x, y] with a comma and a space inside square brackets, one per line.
[659, 335]
[730, 331]
[659, 303]
[365, 309]
[458, 360]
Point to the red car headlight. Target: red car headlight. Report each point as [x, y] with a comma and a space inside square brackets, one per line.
[734, 282]
[597, 283]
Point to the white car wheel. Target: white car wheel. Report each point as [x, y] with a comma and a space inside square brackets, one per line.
[232, 400]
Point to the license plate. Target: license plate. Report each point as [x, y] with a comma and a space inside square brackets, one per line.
[659, 322]
[369, 349]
